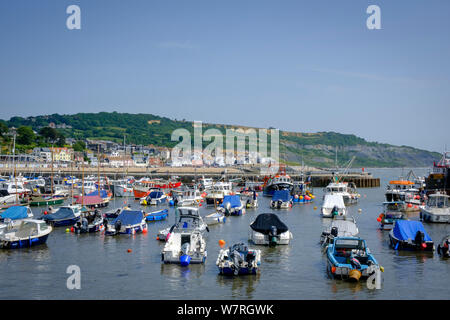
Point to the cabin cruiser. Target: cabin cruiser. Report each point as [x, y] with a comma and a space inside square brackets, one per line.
[437, 208]
[187, 197]
[155, 197]
[281, 199]
[238, 260]
[63, 216]
[187, 218]
[350, 258]
[345, 189]
[410, 235]
[392, 211]
[333, 205]
[127, 222]
[268, 229]
[339, 228]
[184, 246]
[24, 233]
[217, 193]
[14, 188]
[6, 198]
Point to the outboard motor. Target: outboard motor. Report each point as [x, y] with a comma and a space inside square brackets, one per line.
[273, 236]
[84, 225]
[279, 203]
[420, 238]
[334, 231]
[227, 209]
[117, 226]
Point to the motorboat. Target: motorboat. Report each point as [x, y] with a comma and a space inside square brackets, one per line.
[404, 190]
[437, 208]
[410, 235]
[206, 183]
[184, 246]
[339, 227]
[392, 211]
[24, 233]
[215, 218]
[155, 197]
[123, 188]
[218, 191]
[333, 205]
[16, 187]
[232, 205]
[345, 189]
[187, 197]
[250, 199]
[6, 198]
[443, 247]
[280, 181]
[16, 213]
[157, 215]
[187, 218]
[114, 213]
[350, 258]
[268, 229]
[238, 260]
[281, 199]
[128, 222]
[88, 222]
[63, 216]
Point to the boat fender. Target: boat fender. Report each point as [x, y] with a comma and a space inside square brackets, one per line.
[279, 204]
[185, 260]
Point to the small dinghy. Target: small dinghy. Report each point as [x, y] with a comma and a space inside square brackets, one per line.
[281, 199]
[349, 258]
[238, 260]
[333, 205]
[184, 247]
[157, 215]
[63, 216]
[268, 229]
[251, 200]
[215, 218]
[232, 205]
[392, 211]
[16, 213]
[410, 235]
[443, 247]
[339, 228]
[128, 222]
[154, 198]
[88, 222]
[23, 233]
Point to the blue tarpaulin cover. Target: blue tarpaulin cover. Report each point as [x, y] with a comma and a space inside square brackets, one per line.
[407, 229]
[62, 213]
[234, 200]
[128, 217]
[13, 213]
[283, 195]
[103, 193]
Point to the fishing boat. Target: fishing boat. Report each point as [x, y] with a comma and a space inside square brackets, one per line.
[215, 218]
[88, 222]
[16, 213]
[187, 197]
[345, 189]
[24, 233]
[218, 191]
[410, 235]
[339, 227]
[281, 199]
[301, 192]
[63, 216]
[439, 179]
[184, 246]
[14, 188]
[128, 222]
[443, 247]
[205, 183]
[333, 205]
[44, 200]
[238, 260]
[437, 208]
[232, 205]
[281, 181]
[155, 197]
[157, 215]
[268, 229]
[350, 258]
[392, 211]
[404, 190]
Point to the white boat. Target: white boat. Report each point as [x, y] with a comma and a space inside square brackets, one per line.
[437, 208]
[6, 198]
[154, 198]
[188, 218]
[23, 233]
[206, 183]
[268, 229]
[281, 199]
[187, 197]
[218, 191]
[404, 190]
[345, 189]
[184, 246]
[215, 218]
[16, 213]
[339, 228]
[333, 205]
[14, 188]
[123, 188]
[238, 260]
[250, 199]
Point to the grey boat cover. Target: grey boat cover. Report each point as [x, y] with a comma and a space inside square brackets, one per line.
[265, 221]
[346, 228]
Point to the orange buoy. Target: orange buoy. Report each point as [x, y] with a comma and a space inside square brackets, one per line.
[157, 238]
[222, 243]
[144, 230]
[129, 250]
[72, 229]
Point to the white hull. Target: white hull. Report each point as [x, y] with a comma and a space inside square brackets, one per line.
[438, 215]
[263, 239]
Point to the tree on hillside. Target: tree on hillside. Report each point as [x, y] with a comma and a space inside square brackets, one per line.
[25, 135]
[3, 129]
[79, 146]
[49, 134]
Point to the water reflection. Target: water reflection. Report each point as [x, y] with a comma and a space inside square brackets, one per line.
[240, 286]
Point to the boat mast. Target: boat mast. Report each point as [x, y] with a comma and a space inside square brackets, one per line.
[82, 183]
[51, 178]
[14, 162]
[71, 178]
[98, 169]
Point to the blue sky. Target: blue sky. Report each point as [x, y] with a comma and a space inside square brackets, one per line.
[295, 65]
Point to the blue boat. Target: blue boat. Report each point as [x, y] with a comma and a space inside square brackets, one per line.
[155, 197]
[410, 235]
[157, 215]
[16, 213]
[23, 233]
[63, 216]
[281, 199]
[238, 260]
[349, 258]
[279, 182]
[128, 222]
[232, 205]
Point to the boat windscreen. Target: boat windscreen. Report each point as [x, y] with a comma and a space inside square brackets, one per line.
[348, 244]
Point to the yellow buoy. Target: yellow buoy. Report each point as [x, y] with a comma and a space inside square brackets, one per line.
[144, 202]
[381, 268]
[315, 208]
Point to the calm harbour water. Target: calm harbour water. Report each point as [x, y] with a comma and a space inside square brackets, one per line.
[296, 271]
